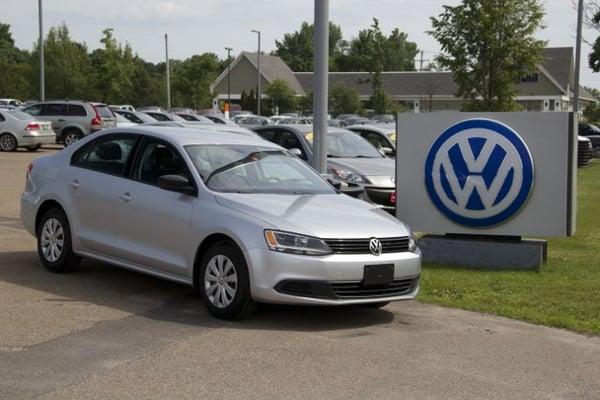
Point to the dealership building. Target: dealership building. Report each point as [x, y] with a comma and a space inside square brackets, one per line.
[549, 89]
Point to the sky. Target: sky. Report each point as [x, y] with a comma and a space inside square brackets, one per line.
[197, 26]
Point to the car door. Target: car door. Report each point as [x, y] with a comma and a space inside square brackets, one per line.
[55, 113]
[97, 173]
[153, 224]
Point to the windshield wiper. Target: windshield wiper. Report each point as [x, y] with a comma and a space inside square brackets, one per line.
[250, 158]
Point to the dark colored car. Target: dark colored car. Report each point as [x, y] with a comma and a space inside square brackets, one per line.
[591, 132]
[351, 159]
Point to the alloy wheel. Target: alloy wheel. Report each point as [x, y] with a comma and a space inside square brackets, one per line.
[52, 239]
[71, 138]
[220, 281]
[8, 143]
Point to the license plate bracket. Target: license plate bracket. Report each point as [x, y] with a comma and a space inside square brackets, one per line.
[378, 275]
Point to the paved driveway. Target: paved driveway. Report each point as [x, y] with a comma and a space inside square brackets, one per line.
[108, 333]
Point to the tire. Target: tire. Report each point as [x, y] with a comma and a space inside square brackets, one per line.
[35, 148]
[54, 244]
[376, 305]
[223, 272]
[8, 142]
[70, 137]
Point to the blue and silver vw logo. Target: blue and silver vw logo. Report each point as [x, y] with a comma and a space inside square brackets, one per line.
[479, 173]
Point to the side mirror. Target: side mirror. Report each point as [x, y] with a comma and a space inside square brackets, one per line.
[176, 183]
[296, 151]
[386, 151]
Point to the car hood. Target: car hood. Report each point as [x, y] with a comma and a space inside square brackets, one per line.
[321, 215]
[379, 171]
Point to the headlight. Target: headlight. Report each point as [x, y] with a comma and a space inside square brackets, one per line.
[296, 244]
[347, 175]
[412, 243]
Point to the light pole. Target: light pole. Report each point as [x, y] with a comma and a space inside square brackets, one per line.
[578, 58]
[320, 84]
[168, 72]
[258, 92]
[41, 50]
[228, 79]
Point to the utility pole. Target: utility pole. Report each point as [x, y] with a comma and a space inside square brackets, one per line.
[421, 67]
[258, 92]
[228, 81]
[320, 84]
[41, 50]
[578, 58]
[168, 72]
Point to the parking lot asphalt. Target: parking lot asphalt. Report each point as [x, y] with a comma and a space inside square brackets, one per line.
[107, 333]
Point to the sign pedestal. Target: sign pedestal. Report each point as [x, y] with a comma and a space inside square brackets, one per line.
[484, 251]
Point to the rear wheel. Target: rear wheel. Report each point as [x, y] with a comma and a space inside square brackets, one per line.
[71, 137]
[54, 242]
[8, 142]
[224, 282]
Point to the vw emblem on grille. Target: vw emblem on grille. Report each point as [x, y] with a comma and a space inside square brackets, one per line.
[375, 247]
[479, 173]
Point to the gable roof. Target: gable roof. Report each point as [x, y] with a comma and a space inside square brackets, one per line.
[271, 68]
[558, 62]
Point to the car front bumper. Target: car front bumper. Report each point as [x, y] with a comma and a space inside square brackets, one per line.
[321, 279]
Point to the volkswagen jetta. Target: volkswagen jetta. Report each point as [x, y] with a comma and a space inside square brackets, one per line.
[237, 217]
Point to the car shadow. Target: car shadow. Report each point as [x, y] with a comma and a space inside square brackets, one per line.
[104, 285]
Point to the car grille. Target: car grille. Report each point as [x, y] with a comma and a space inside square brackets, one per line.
[584, 153]
[361, 246]
[355, 290]
[346, 290]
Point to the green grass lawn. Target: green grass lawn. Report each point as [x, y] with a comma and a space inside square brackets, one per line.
[565, 293]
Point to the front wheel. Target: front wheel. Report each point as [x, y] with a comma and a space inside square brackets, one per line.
[55, 248]
[224, 282]
[71, 137]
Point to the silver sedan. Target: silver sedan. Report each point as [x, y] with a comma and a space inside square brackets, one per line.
[240, 219]
[19, 129]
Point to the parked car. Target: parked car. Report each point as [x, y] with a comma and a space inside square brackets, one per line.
[348, 116]
[592, 132]
[193, 118]
[123, 122]
[239, 219]
[254, 120]
[125, 107]
[11, 102]
[72, 120]
[351, 159]
[584, 151]
[383, 118]
[280, 119]
[236, 117]
[383, 137]
[160, 116]
[337, 123]
[19, 129]
[218, 119]
[136, 117]
[214, 127]
[358, 121]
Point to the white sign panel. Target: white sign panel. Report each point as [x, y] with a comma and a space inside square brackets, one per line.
[510, 174]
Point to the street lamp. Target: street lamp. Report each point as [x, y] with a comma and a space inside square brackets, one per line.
[41, 50]
[228, 78]
[168, 72]
[258, 92]
[320, 84]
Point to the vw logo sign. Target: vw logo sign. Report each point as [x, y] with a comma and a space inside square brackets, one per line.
[479, 173]
[375, 247]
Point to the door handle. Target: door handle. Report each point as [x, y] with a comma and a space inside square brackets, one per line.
[126, 197]
[74, 185]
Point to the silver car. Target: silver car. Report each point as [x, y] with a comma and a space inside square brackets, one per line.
[240, 219]
[19, 129]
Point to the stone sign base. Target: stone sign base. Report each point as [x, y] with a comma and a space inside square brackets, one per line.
[484, 252]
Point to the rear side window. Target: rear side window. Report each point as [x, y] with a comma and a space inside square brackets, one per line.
[34, 110]
[108, 154]
[54, 109]
[131, 117]
[76, 110]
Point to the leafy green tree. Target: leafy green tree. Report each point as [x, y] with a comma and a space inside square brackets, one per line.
[343, 100]
[296, 48]
[488, 45]
[191, 80]
[305, 103]
[281, 96]
[15, 82]
[592, 113]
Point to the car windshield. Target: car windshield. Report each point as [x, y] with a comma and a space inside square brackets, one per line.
[346, 145]
[254, 169]
[20, 115]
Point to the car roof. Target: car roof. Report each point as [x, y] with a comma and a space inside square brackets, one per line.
[385, 129]
[194, 135]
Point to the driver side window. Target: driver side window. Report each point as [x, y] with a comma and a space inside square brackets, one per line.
[158, 159]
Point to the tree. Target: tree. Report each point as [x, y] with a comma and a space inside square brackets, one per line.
[592, 113]
[191, 80]
[15, 82]
[281, 96]
[296, 49]
[488, 45]
[344, 100]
